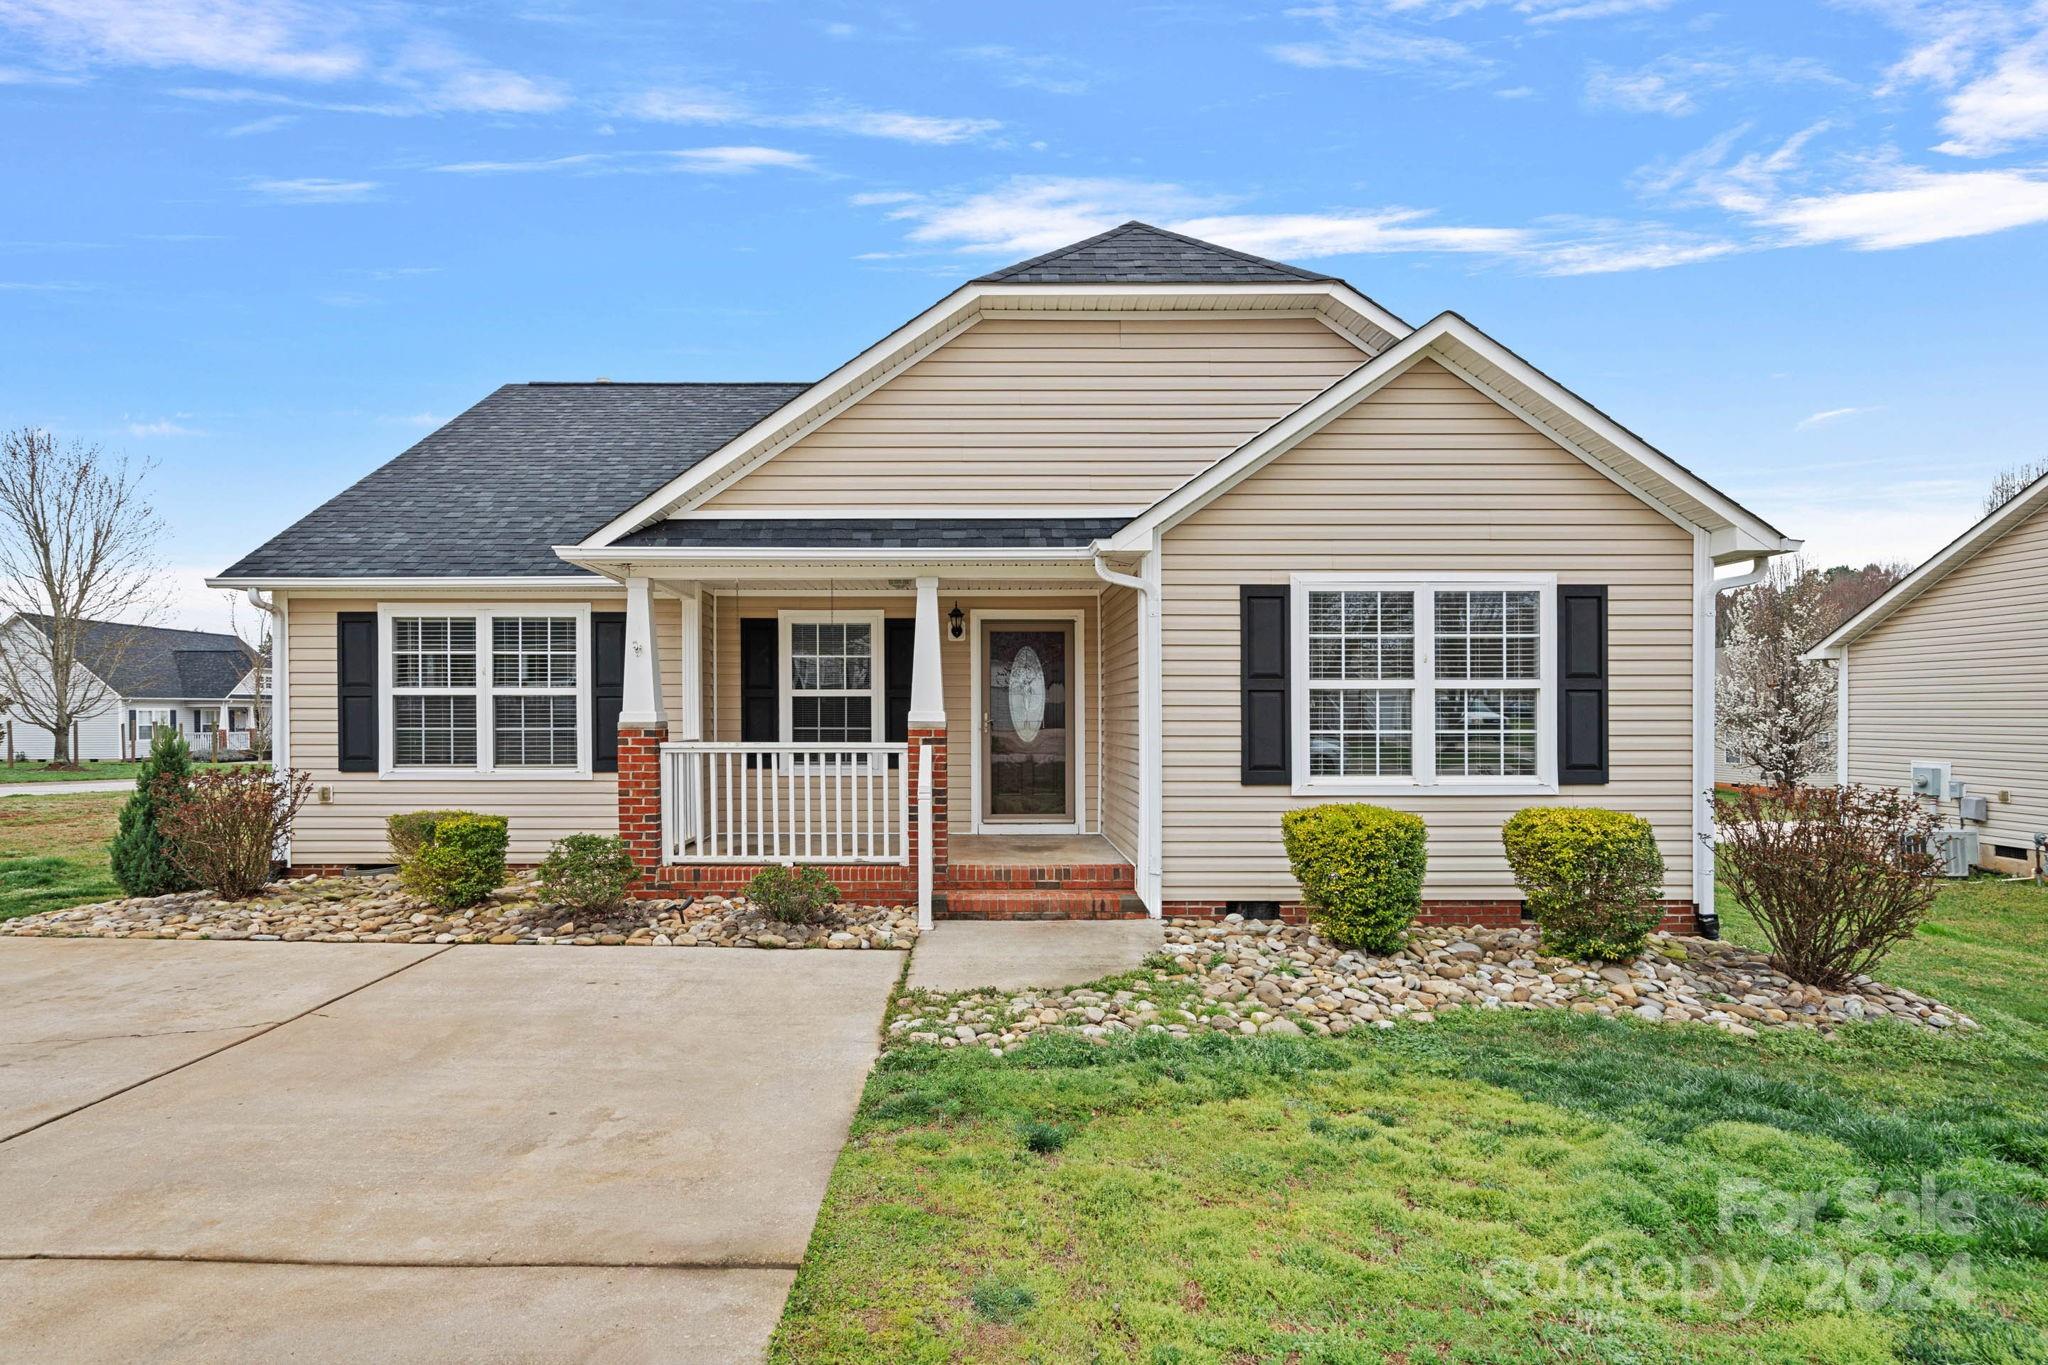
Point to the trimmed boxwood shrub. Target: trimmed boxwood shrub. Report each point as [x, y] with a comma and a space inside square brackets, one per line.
[1360, 869]
[587, 872]
[1590, 878]
[409, 831]
[461, 861]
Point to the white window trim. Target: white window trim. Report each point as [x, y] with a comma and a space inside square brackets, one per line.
[978, 689]
[1425, 685]
[483, 613]
[878, 720]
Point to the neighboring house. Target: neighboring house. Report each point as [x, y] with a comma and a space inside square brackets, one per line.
[193, 681]
[1947, 669]
[1127, 549]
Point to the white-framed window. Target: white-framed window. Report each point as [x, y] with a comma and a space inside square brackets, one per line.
[831, 677]
[147, 718]
[202, 721]
[1403, 682]
[500, 689]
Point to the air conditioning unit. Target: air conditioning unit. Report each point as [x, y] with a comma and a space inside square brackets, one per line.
[1954, 850]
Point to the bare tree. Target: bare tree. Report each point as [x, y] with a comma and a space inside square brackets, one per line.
[2008, 483]
[77, 545]
[1776, 711]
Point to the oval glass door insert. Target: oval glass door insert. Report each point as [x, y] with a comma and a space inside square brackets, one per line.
[1027, 695]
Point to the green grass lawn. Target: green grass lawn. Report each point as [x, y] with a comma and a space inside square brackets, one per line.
[53, 851]
[1492, 1187]
[103, 771]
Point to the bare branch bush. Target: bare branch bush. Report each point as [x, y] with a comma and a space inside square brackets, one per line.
[78, 541]
[1835, 876]
[226, 828]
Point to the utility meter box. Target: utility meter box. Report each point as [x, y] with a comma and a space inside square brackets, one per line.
[1974, 808]
[1930, 779]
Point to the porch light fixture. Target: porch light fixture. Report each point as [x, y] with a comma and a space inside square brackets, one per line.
[956, 622]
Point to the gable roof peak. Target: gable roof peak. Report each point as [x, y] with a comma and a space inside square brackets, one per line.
[1140, 253]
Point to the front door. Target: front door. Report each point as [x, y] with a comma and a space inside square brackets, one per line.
[1027, 738]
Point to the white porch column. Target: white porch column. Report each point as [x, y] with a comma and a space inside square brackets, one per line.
[690, 725]
[641, 702]
[927, 690]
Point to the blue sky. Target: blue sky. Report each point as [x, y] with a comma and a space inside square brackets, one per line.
[267, 245]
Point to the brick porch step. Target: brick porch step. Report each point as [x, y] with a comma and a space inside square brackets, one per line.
[1051, 877]
[1023, 904]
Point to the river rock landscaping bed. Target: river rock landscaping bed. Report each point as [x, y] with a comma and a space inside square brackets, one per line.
[1265, 977]
[377, 910]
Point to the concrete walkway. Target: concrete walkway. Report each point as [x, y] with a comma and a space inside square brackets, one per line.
[238, 1151]
[962, 955]
[64, 788]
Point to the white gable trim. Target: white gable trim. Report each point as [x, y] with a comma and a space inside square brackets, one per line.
[1443, 338]
[1940, 565]
[949, 317]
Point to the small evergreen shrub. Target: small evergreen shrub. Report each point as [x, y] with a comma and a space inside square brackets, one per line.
[1590, 878]
[587, 872]
[1044, 1138]
[226, 828]
[137, 855]
[409, 831]
[1360, 869]
[461, 862]
[793, 895]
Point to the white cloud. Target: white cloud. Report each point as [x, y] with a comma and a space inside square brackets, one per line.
[2002, 109]
[1569, 11]
[277, 38]
[1021, 70]
[1674, 84]
[1309, 236]
[1865, 519]
[740, 160]
[315, 190]
[1641, 92]
[1825, 416]
[162, 426]
[1027, 215]
[700, 106]
[270, 123]
[1914, 207]
[546, 163]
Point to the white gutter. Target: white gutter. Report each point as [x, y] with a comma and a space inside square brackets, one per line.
[1706, 676]
[1150, 708]
[280, 692]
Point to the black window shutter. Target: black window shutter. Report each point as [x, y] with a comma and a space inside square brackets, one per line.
[1581, 685]
[760, 702]
[1267, 752]
[607, 687]
[899, 662]
[356, 674]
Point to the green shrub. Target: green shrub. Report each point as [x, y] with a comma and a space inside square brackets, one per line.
[227, 828]
[409, 831]
[140, 861]
[793, 895]
[462, 861]
[587, 872]
[1043, 1138]
[1590, 877]
[1360, 869]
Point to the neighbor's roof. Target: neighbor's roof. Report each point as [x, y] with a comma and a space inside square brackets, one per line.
[1946, 560]
[155, 662]
[1138, 253]
[530, 467]
[881, 533]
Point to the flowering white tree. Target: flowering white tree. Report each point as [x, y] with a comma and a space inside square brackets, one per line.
[1776, 711]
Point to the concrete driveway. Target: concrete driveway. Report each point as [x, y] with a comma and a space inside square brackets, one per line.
[239, 1151]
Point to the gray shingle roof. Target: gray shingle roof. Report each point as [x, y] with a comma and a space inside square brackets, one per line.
[155, 662]
[905, 533]
[530, 467]
[1138, 253]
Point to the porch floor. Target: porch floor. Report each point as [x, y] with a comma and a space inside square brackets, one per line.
[1033, 850]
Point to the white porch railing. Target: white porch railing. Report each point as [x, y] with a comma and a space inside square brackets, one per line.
[768, 803]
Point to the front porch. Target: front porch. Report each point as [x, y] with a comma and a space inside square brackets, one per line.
[967, 745]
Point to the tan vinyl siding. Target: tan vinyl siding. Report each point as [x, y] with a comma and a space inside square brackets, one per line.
[1426, 476]
[722, 674]
[1956, 675]
[1076, 412]
[349, 829]
[1120, 736]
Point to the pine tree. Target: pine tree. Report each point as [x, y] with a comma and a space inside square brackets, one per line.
[137, 853]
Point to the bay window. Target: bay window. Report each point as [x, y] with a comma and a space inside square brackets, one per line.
[1405, 682]
[497, 689]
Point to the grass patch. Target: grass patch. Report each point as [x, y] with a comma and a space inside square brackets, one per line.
[1456, 1191]
[104, 770]
[53, 851]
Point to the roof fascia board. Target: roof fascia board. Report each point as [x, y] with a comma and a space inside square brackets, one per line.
[897, 512]
[347, 584]
[921, 335]
[1937, 567]
[1368, 378]
[656, 554]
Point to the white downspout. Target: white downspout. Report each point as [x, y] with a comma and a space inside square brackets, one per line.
[280, 693]
[1706, 649]
[1150, 700]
